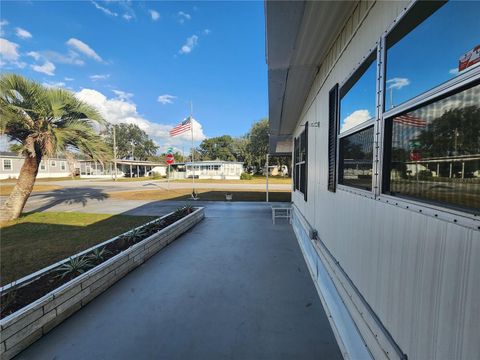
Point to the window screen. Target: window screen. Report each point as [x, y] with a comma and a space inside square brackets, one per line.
[300, 158]
[433, 151]
[434, 42]
[355, 166]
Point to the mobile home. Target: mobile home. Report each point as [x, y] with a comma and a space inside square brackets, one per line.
[381, 103]
[11, 164]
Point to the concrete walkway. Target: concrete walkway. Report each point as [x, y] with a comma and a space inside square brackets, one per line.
[233, 287]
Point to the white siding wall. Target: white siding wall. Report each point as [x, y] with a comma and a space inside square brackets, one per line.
[419, 274]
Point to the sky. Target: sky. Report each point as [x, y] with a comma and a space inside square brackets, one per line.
[143, 62]
[424, 58]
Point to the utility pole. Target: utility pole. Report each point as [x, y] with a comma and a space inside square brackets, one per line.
[115, 152]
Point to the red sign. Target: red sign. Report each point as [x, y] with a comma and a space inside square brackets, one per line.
[169, 159]
[469, 59]
[415, 155]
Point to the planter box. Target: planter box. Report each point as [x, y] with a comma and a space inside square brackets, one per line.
[30, 323]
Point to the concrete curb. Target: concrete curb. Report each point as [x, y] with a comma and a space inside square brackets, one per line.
[27, 325]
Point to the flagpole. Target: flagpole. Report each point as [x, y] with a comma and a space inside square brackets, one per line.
[193, 150]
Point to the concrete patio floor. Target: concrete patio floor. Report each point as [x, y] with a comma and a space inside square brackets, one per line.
[233, 287]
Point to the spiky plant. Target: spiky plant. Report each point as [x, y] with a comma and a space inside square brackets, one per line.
[74, 266]
[42, 122]
[99, 254]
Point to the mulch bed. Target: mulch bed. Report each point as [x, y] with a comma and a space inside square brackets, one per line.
[15, 299]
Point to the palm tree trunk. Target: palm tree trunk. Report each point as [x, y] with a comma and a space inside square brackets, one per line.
[21, 191]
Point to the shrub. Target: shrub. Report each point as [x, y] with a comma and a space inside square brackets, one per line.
[246, 176]
[75, 266]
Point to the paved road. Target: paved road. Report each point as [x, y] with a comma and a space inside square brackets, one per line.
[214, 293]
[91, 196]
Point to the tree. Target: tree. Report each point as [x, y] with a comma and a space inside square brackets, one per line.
[258, 144]
[220, 148]
[43, 122]
[130, 137]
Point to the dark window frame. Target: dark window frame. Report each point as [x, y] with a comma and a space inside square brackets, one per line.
[300, 163]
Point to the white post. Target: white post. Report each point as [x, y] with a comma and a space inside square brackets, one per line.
[115, 152]
[267, 177]
[193, 149]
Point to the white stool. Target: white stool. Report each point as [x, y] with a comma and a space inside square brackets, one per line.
[281, 212]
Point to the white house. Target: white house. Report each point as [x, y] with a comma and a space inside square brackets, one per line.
[368, 93]
[11, 164]
[214, 169]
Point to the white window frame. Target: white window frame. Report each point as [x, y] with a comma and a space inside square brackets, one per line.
[63, 166]
[53, 163]
[3, 164]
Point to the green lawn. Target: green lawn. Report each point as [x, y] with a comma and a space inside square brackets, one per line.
[37, 240]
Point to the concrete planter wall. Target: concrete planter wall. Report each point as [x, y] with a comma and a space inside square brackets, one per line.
[30, 323]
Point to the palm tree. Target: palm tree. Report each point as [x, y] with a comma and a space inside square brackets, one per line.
[43, 122]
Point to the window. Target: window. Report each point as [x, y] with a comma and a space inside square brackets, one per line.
[42, 165]
[7, 164]
[300, 155]
[358, 95]
[434, 42]
[355, 164]
[433, 152]
[356, 138]
[53, 163]
[62, 165]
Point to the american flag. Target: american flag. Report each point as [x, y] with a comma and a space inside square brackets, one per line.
[184, 126]
[410, 120]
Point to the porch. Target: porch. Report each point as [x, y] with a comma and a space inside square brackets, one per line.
[234, 287]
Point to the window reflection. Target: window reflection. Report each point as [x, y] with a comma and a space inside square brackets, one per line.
[357, 103]
[426, 50]
[355, 159]
[435, 151]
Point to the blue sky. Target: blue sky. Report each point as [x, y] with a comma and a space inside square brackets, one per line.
[144, 61]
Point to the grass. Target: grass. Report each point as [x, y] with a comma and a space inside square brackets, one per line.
[43, 179]
[204, 194]
[134, 179]
[255, 180]
[5, 190]
[37, 240]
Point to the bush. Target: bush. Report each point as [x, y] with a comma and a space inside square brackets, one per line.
[246, 176]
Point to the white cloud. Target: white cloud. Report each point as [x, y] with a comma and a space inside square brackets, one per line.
[22, 33]
[127, 17]
[8, 50]
[53, 84]
[71, 58]
[99, 77]
[104, 9]
[9, 54]
[453, 71]
[122, 95]
[47, 68]
[118, 111]
[166, 99]
[69, 79]
[189, 45]
[3, 23]
[398, 83]
[84, 48]
[355, 118]
[183, 16]
[154, 14]
[207, 31]
[34, 54]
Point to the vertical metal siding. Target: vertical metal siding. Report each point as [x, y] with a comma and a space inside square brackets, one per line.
[420, 275]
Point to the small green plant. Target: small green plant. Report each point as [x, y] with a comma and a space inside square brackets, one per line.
[246, 176]
[99, 254]
[74, 266]
[138, 234]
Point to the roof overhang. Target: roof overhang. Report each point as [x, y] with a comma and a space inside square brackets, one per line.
[299, 35]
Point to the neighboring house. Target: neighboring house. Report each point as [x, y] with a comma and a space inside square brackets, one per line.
[384, 133]
[11, 163]
[125, 168]
[215, 169]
